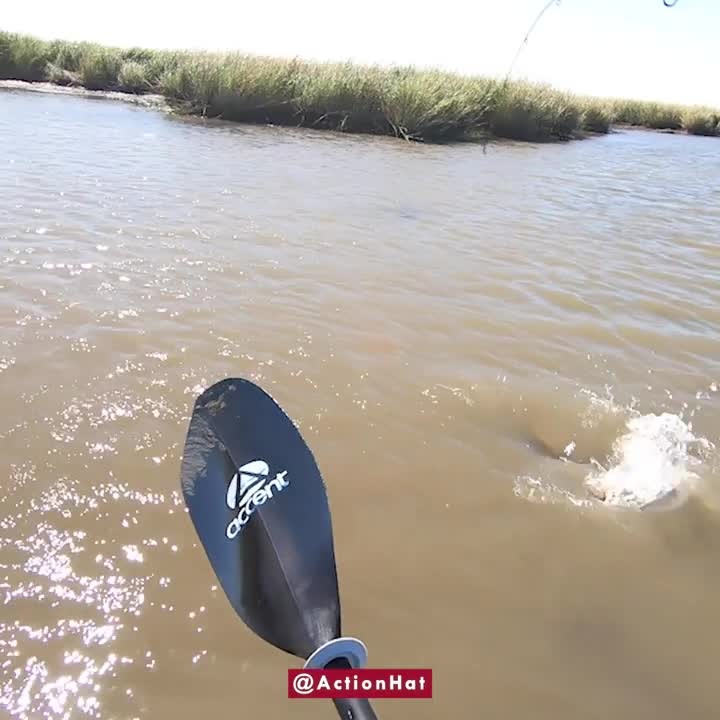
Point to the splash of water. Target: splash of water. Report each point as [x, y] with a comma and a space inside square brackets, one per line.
[657, 459]
[653, 460]
[538, 491]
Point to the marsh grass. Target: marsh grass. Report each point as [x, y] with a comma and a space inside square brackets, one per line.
[534, 112]
[23, 58]
[430, 105]
[132, 78]
[100, 68]
[702, 121]
[598, 115]
[657, 116]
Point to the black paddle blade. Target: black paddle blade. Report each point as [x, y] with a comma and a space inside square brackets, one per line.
[258, 503]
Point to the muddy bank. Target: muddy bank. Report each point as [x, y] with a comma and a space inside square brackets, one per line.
[153, 101]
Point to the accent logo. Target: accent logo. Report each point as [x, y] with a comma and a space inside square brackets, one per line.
[249, 488]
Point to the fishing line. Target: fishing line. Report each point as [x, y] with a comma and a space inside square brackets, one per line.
[528, 33]
[491, 96]
[499, 88]
[666, 3]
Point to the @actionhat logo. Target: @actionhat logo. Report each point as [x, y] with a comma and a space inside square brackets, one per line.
[249, 488]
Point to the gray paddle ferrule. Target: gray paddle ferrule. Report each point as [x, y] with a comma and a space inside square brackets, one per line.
[350, 648]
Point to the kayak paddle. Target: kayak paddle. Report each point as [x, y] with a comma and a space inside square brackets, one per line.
[259, 506]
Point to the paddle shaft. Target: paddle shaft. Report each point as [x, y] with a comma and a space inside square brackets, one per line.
[350, 708]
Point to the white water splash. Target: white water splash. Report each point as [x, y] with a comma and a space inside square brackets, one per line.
[652, 461]
[458, 393]
[655, 459]
[600, 407]
[537, 490]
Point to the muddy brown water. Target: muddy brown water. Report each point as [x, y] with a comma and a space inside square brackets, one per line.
[442, 323]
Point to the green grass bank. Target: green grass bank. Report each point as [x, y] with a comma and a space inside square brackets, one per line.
[427, 105]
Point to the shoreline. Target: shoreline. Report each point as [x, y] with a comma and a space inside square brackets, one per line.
[150, 101]
[160, 103]
[430, 106]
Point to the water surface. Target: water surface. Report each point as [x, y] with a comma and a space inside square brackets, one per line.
[463, 337]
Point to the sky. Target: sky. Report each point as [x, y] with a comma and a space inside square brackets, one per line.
[612, 48]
